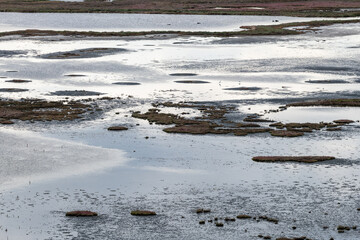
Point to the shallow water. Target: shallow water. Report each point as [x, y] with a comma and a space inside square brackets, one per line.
[134, 22]
[174, 174]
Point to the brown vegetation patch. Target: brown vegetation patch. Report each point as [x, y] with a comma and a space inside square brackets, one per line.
[117, 128]
[266, 218]
[246, 131]
[192, 81]
[303, 159]
[243, 89]
[243, 216]
[142, 213]
[327, 81]
[183, 74]
[202, 210]
[247, 125]
[127, 83]
[13, 90]
[334, 129]
[201, 128]
[285, 133]
[75, 75]
[39, 110]
[6, 122]
[18, 81]
[251, 119]
[81, 214]
[343, 121]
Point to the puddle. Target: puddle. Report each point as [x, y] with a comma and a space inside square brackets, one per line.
[75, 75]
[191, 81]
[13, 90]
[76, 93]
[127, 83]
[243, 89]
[18, 81]
[327, 81]
[183, 74]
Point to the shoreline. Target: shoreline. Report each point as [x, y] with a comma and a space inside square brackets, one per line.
[256, 30]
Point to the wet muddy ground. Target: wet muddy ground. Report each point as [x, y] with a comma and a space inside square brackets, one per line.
[145, 85]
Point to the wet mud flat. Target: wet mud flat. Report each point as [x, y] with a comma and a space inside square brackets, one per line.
[174, 160]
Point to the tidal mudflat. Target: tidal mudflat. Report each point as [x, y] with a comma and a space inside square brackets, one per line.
[154, 136]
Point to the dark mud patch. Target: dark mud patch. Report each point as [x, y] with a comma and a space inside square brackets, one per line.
[6, 122]
[183, 74]
[142, 213]
[329, 68]
[39, 110]
[192, 81]
[84, 53]
[303, 159]
[243, 89]
[200, 128]
[13, 90]
[327, 81]
[343, 102]
[18, 81]
[117, 128]
[285, 133]
[76, 93]
[81, 214]
[75, 75]
[127, 83]
[343, 121]
[6, 53]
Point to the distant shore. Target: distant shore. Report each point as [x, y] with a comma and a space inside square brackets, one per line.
[320, 8]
